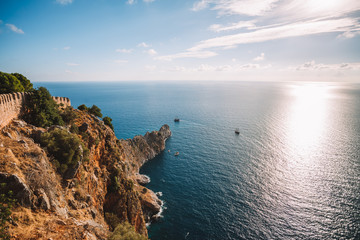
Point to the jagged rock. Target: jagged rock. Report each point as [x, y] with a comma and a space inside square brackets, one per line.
[43, 200]
[142, 179]
[151, 205]
[20, 190]
[93, 212]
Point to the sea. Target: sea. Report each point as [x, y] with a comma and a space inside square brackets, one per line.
[293, 171]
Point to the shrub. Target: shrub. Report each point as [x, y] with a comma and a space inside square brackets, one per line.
[83, 107]
[126, 231]
[43, 110]
[6, 203]
[64, 147]
[68, 115]
[95, 110]
[108, 121]
[74, 129]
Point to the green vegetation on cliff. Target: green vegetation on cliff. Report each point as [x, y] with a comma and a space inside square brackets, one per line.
[108, 121]
[14, 82]
[42, 109]
[65, 147]
[126, 231]
[94, 110]
[6, 203]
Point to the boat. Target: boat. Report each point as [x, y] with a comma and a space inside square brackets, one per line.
[176, 154]
[177, 120]
[237, 131]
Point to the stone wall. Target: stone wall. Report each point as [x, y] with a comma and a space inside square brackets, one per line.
[12, 104]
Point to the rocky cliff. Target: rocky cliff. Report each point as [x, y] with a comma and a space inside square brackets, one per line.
[101, 191]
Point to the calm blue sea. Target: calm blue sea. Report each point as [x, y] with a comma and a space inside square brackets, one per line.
[293, 172]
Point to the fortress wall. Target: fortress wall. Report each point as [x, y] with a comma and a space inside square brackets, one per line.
[63, 100]
[12, 105]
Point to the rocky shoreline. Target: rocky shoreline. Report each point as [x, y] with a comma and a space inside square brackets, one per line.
[103, 190]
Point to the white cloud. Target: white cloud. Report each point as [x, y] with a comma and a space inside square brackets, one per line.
[260, 58]
[151, 52]
[13, 28]
[189, 54]
[285, 31]
[200, 5]
[233, 26]
[242, 7]
[130, 2]
[124, 50]
[64, 2]
[144, 45]
[67, 48]
[311, 65]
[349, 34]
[72, 64]
[221, 68]
[148, 1]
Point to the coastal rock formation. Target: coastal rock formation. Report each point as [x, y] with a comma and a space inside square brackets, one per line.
[101, 191]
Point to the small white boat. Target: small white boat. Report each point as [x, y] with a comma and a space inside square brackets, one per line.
[176, 154]
[237, 131]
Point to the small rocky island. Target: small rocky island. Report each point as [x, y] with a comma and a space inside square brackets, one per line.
[75, 180]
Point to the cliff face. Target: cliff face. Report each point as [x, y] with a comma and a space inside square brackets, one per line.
[102, 192]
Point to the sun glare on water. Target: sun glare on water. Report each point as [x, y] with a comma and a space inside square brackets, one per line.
[308, 116]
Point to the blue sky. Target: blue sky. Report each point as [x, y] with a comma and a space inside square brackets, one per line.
[111, 40]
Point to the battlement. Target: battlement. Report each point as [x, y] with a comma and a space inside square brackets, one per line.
[12, 105]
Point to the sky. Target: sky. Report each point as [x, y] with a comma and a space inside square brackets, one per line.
[226, 40]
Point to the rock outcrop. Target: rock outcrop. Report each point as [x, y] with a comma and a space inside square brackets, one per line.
[100, 192]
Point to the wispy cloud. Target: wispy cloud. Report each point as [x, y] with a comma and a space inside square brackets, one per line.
[285, 31]
[64, 2]
[349, 34]
[1, 21]
[188, 54]
[144, 45]
[15, 29]
[67, 48]
[233, 26]
[151, 52]
[124, 50]
[148, 1]
[311, 65]
[130, 2]
[260, 58]
[242, 7]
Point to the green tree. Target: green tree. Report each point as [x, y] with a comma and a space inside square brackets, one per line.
[43, 110]
[10, 84]
[108, 121]
[83, 107]
[95, 110]
[28, 86]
